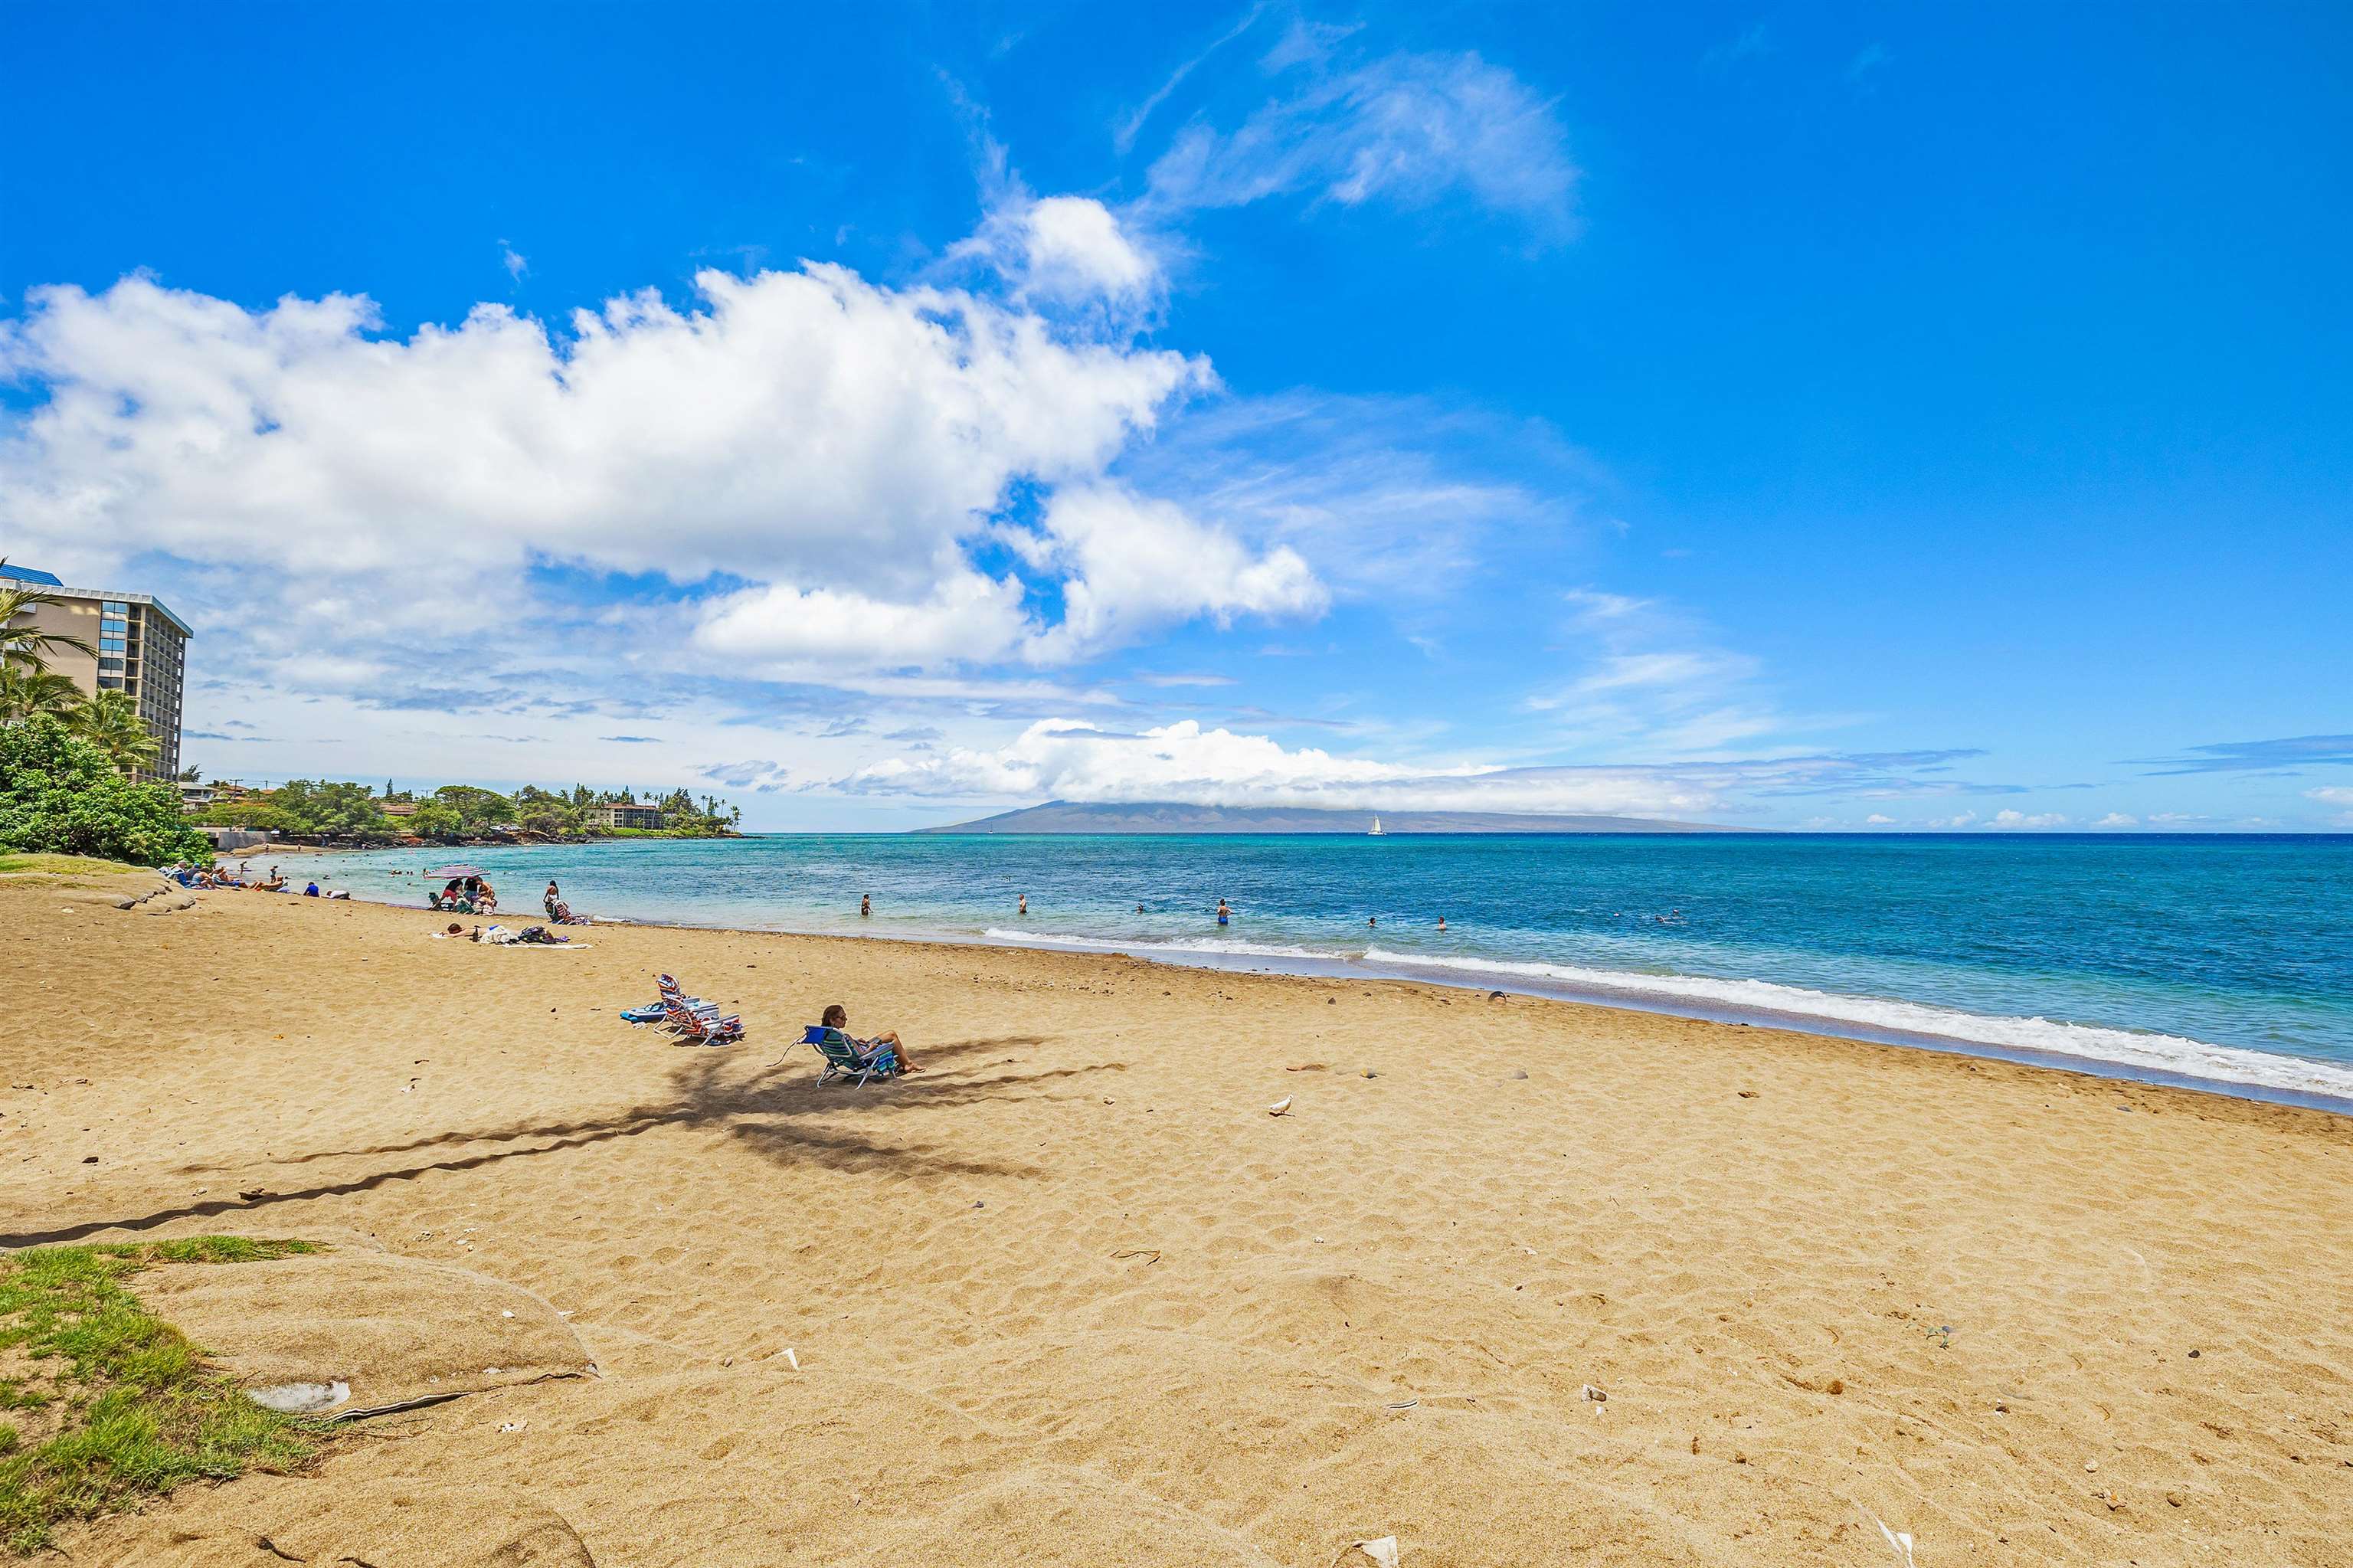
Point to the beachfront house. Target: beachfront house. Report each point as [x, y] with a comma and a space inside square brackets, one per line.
[625, 814]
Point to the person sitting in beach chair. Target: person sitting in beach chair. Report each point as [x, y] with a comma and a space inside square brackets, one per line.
[846, 1056]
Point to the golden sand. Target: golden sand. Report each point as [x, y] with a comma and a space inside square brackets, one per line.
[1074, 1296]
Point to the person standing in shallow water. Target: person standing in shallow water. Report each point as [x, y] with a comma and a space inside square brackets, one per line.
[1225, 916]
[1024, 909]
[865, 905]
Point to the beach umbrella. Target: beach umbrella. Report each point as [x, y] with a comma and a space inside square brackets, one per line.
[455, 871]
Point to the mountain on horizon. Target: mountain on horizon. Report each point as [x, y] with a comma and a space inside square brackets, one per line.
[1171, 816]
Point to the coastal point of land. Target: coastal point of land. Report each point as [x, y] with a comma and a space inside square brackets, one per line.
[1511, 1281]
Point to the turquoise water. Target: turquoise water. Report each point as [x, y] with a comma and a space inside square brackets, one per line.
[2221, 960]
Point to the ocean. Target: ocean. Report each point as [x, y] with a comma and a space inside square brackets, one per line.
[2223, 962]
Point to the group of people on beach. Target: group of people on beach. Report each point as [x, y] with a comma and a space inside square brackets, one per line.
[209, 876]
[466, 895]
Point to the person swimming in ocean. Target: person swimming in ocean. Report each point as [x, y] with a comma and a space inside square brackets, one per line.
[1024, 908]
[1372, 921]
[1225, 916]
[865, 905]
[1441, 922]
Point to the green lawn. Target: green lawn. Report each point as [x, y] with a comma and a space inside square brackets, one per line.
[141, 1412]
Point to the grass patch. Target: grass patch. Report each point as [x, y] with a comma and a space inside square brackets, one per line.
[62, 865]
[141, 1411]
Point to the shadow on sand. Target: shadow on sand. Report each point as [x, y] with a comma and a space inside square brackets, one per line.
[790, 1122]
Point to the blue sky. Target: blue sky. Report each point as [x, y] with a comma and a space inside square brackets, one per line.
[1854, 416]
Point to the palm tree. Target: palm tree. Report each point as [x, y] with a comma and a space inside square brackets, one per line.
[27, 690]
[110, 722]
[23, 644]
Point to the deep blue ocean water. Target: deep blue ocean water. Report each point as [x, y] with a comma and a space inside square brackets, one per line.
[2225, 961]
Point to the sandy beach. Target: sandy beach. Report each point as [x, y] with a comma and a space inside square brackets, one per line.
[1512, 1281]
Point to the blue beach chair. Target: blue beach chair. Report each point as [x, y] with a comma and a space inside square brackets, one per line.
[846, 1058]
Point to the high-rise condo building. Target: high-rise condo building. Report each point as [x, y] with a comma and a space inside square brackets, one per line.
[142, 650]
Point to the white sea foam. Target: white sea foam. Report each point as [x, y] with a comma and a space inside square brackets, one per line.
[1219, 946]
[2119, 1047]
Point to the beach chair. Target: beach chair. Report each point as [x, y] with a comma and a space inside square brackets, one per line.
[706, 1028]
[695, 1019]
[846, 1058]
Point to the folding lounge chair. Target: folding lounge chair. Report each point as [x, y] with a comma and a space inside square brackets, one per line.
[846, 1058]
[702, 1023]
[695, 1019]
[707, 1029]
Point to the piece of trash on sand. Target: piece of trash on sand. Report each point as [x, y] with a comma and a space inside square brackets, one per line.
[795, 1360]
[1594, 1393]
[1383, 1551]
[299, 1398]
[512, 1426]
[1280, 1108]
[1405, 1404]
[1901, 1539]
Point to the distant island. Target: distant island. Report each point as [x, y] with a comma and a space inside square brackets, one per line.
[1168, 817]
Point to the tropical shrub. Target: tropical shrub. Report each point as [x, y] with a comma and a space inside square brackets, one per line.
[60, 795]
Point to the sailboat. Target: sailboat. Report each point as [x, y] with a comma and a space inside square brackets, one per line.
[1377, 830]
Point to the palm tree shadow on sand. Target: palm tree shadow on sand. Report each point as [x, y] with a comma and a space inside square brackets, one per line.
[790, 1122]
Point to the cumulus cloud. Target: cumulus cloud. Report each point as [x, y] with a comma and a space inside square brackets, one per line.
[1068, 252]
[842, 446]
[2332, 794]
[2016, 820]
[1877, 820]
[1405, 128]
[1072, 246]
[2118, 819]
[1131, 564]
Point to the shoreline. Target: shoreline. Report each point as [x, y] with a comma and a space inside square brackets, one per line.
[1483, 977]
[1170, 1266]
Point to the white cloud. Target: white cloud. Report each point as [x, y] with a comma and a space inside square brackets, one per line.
[1657, 683]
[517, 268]
[2118, 819]
[1405, 128]
[2331, 794]
[1395, 498]
[1123, 136]
[1072, 246]
[1071, 253]
[1877, 820]
[788, 632]
[840, 444]
[2021, 821]
[1134, 564]
[1062, 759]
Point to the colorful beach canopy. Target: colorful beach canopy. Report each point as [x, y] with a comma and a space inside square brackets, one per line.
[457, 871]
